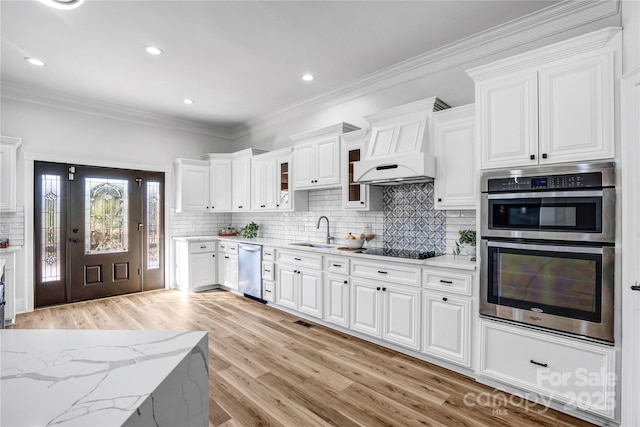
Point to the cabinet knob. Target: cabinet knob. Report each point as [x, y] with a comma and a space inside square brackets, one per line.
[226, 257]
[544, 155]
[262, 206]
[312, 181]
[361, 202]
[213, 256]
[384, 289]
[345, 282]
[378, 288]
[444, 299]
[207, 207]
[277, 206]
[239, 207]
[439, 199]
[544, 365]
[532, 157]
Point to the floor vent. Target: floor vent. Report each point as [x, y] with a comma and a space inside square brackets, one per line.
[303, 323]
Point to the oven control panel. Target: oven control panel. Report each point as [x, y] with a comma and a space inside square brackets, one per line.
[550, 182]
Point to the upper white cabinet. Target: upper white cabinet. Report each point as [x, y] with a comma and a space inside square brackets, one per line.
[8, 160]
[192, 185]
[316, 157]
[241, 183]
[356, 196]
[271, 189]
[551, 105]
[456, 180]
[220, 182]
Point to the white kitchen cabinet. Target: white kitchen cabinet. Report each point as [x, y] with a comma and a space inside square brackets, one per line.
[336, 299]
[231, 267]
[241, 184]
[195, 264]
[9, 287]
[299, 289]
[270, 186]
[268, 291]
[8, 161]
[192, 185]
[546, 364]
[316, 156]
[386, 311]
[446, 327]
[287, 286]
[457, 180]
[355, 196]
[220, 184]
[551, 105]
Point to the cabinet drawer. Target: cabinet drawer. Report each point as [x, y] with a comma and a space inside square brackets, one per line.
[399, 274]
[268, 271]
[199, 247]
[338, 265]
[268, 254]
[448, 281]
[579, 373]
[232, 248]
[222, 246]
[300, 259]
[268, 291]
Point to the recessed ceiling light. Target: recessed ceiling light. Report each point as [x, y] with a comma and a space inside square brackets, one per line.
[62, 4]
[188, 101]
[153, 50]
[308, 77]
[35, 61]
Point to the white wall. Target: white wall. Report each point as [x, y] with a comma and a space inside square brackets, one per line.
[56, 134]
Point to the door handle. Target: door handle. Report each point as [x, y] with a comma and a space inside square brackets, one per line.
[140, 225]
[635, 287]
[76, 240]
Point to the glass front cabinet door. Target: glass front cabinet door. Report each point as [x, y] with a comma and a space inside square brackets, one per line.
[357, 196]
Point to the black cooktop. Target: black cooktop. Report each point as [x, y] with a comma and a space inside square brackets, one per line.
[402, 253]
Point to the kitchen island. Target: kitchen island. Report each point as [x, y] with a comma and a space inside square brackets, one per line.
[103, 378]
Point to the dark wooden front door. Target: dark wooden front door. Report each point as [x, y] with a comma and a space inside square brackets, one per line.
[98, 232]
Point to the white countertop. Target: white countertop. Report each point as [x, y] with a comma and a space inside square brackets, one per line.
[99, 378]
[10, 249]
[447, 261]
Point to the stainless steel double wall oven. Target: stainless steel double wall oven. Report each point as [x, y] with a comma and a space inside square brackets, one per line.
[547, 248]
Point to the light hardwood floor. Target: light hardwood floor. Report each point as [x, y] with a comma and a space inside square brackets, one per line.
[267, 370]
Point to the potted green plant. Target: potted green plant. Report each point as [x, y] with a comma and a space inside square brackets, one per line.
[466, 242]
[249, 231]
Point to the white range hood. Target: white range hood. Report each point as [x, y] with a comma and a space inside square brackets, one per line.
[400, 150]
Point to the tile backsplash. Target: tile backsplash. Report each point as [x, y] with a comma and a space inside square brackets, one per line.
[408, 221]
[12, 226]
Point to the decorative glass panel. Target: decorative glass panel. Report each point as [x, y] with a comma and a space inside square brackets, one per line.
[153, 225]
[354, 187]
[106, 215]
[50, 249]
[284, 183]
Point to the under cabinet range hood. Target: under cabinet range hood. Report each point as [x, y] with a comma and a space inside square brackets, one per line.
[400, 150]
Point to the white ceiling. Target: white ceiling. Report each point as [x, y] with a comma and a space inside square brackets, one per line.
[238, 60]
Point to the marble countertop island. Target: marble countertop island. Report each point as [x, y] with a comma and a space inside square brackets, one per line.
[103, 378]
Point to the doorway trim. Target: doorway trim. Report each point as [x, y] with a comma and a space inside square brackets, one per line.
[29, 194]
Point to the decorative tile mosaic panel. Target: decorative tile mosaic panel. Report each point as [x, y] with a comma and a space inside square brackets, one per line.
[410, 221]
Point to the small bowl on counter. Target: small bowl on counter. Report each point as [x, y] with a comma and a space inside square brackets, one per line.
[353, 243]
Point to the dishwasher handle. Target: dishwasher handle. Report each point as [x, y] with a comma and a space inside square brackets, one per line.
[250, 248]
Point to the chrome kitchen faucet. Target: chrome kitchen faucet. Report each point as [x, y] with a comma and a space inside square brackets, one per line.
[328, 239]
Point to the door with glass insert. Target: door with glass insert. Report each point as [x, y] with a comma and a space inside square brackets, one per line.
[99, 232]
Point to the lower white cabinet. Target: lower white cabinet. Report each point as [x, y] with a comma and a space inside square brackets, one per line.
[336, 299]
[195, 264]
[10, 285]
[228, 264]
[268, 291]
[386, 311]
[299, 289]
[578, 373]
[446, 327]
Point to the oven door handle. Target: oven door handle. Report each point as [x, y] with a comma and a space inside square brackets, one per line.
[545, 195]
[553, 248]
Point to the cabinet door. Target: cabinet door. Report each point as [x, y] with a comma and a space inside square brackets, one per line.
[305, 165]
[258, 184]
[220, 172]
[195, 188]
[284, 195]
[336, 300]
[456, 182]
[286, 288]
[446, 327]
[270, 184]
[354, 195]
[328, 161]
[401, 307]
[202, 270]
[576, 109]
[365, 307]
[222, 268]
[310, 285]
[241, 184]
[507, 110]
[231, 276]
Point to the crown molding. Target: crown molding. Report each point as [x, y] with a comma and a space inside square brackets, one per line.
[19, 92]
[552, 20]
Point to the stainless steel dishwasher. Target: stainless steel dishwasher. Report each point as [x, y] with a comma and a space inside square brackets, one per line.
[250, 271]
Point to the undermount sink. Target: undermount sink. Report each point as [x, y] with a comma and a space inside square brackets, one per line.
[311, 245]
